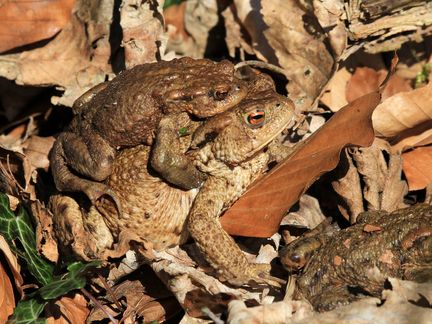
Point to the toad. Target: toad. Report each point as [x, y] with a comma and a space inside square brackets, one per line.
[232, 149]
[337, 268]
[126, 112]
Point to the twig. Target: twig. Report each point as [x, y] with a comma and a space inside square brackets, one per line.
[262, 65]
[211, 315]
[98, 304]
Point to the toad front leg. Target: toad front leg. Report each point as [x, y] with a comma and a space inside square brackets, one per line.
[168, 153]
[219, 249]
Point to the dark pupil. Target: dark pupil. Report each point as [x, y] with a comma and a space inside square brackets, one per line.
[255, 118]
[295, 258]
[218, 95]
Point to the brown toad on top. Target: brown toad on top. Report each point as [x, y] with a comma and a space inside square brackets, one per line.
[233, 149]
[127, 111]
[359, 259]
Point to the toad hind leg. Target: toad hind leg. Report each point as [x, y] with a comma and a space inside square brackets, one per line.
[219, 249]
[69, 147]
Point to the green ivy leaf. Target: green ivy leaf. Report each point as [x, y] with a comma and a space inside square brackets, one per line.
[73, 279]
[19, 227]
[28, 311]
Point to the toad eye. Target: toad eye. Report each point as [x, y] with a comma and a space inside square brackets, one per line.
[295, 258]
[256, 118]
[218, 94]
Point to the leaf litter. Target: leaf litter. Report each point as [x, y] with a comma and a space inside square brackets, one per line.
[308, 47]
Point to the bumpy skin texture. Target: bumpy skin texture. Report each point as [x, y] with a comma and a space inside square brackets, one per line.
[358, 259]
[153, 211]
[233, 160]
[127, 112]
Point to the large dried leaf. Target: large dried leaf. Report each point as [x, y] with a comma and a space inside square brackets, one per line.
[259, 211]
[76, 59]
[142, 31]
[405, 113]
[13, 264]
[25, 22]
[285, 33]
[7, 299]
[417, 166]
[68, 310]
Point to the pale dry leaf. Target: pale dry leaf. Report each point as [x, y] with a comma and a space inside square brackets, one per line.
[395, 188]
[366, 79]
[7, 299]
[75, 60]
[26, 22]
[36, 149]
[404, 112]
[417, 167]
[13, 264]
[347, 184]
[46, 242]
[334, 95]
[309, 214]
[408, 290]
[181, 277]
[68, 310]
[142, 303]
[67, 215]
[142, 31]
[234, 37]
[279, 312]
[283, 33]
[200, 17]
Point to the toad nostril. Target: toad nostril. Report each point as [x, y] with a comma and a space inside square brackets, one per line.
[278, 105]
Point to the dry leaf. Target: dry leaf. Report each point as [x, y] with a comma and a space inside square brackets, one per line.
[7, 299]
[142, 31]
[13, 264]
[369, 177]
[334, 95]
[76, 59]
[417, 166]
[68, 310]
[404, 113]
[36, 150]
[26, 22]
[259, 211]
[46, 243]
[365, 80]
[284, 33]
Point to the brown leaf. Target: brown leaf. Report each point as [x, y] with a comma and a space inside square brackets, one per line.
[13, 264]
[142, 31]
[25, 22]
[37, 149]
[417, 166]
[45, 237]
[404, 113]
[7, 299]
[365, 80]
[76, 59]
[334, 96]
[279, 32]
[68, 310]
[259, 211]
